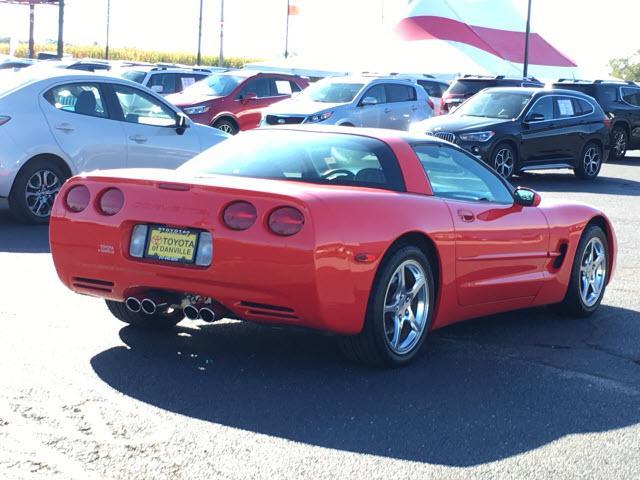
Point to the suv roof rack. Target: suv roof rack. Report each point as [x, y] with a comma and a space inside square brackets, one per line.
[499, 77]
[165, 66]
[578, 80]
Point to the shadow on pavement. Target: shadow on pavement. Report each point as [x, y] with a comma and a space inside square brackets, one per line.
[18, 238]
[480, 391]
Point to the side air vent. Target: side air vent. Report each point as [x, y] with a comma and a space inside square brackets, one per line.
[264, 309]
[562, 253]
[92, 284]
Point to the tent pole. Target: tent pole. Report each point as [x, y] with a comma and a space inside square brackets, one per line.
[106, 49]
[286, 35]
[199, 56]
[526, 42]
[60, 28]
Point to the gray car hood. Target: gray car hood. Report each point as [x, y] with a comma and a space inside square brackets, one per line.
[455, 123]
[299, 106]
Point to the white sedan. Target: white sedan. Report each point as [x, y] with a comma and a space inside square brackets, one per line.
[55, 124]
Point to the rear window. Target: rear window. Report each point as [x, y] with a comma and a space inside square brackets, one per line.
[321, 158]
[468, 87]
[434, 89]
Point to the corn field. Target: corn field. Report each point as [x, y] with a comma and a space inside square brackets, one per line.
[151, 56]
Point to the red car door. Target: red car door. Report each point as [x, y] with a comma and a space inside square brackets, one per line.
[501, 248]
[255, 95]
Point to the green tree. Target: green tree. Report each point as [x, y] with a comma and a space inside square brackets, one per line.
[626, 68]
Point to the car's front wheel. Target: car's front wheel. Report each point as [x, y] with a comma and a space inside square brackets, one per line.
[34, 190]
[399, 311]
[157, 321]
[590, 162]
[227, 126]
[620, 140]
[588, 274]
[503, 160]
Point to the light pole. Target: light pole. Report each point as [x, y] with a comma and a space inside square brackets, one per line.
[199, 58]
[525, 71]
[106, 49]
[221, 54]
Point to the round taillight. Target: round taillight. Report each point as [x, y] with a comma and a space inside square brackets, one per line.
[78, 198]
[111, 201]
[240, 215]
[286, 221]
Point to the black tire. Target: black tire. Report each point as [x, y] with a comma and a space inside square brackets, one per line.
[504, 160]
[157, 321]
[226, 125]
[37, 209]
[573, 303]
[586, 168]
[372, 346]
[619, 142]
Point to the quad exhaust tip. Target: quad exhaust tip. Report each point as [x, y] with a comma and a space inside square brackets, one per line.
[148, 306]
[133, 304]
[207, 314]
[191, 312]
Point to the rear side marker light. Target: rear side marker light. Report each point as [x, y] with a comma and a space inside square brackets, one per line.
[138, 241]
[239, 215]
[431, 104]
[4, 119]
[286, 221]
[78, 198]
[111, 201]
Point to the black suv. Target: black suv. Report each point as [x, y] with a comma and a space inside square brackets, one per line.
[520, 129]
[467, 86]
[621, 102]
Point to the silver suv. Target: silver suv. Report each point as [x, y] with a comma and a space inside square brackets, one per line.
[164, 79]
[355, 101]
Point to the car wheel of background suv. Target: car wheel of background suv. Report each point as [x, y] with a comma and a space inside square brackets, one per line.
[504, 160]
[590, 162]
[226, 125]
[619, 142]
[34, 191]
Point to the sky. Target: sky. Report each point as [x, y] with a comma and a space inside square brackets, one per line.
[590, 32]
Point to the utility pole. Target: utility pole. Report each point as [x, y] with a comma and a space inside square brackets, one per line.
[106, 50]
[32, 21]
[221, 54]
[526, 42]
[199, 56]
[286, 35]
[60, 28]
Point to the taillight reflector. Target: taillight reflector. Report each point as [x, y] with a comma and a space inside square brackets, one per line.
[286, 221]
[111, 201]
[431, 104]
[239, 215]
[78, 198]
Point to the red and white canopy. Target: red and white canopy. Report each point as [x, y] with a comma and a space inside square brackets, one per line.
[490, 33]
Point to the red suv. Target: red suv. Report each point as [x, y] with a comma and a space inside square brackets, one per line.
[232, 101]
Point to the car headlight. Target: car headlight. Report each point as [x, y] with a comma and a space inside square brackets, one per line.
[319, 117]
[196, 110]
[476, 136]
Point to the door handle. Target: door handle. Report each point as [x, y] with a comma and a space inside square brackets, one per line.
[414, 108]
[65, 127]
[138, 138]
[466, 215]
[387, 110]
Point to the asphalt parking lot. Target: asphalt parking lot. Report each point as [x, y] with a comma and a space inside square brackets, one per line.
[520, 395]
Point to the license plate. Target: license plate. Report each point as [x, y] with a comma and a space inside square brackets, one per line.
[177, 245]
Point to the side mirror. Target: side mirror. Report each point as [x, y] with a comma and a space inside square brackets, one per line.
[534, 117]
[249, 96]
[526, 197]
[182, 123]
[369, 101]
[157, 88]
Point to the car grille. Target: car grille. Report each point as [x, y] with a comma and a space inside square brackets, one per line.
[281, 120]
[449, 137]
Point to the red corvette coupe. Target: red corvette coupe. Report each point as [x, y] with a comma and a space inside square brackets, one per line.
[374, 235]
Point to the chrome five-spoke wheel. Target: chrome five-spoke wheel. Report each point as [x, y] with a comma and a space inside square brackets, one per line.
[406, 307]
[40, 192]
[593, 271]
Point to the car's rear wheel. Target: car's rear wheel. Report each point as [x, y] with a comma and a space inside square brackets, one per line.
[588, 274]
[34, 190]
[620, 140]
[226, 125]
[504, 160]
[590, 162]
[399, 311]
[157, 321]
